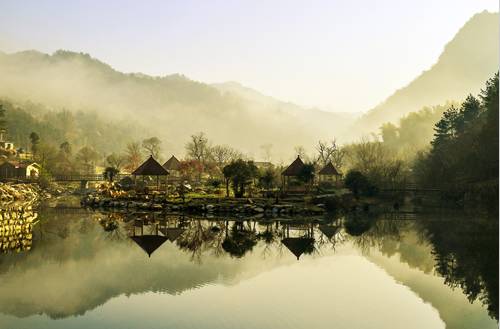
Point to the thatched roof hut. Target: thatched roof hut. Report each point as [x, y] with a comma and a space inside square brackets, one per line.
[294, 168]
[298, 246]
[150, 167]
[329, 170]
[172, 164]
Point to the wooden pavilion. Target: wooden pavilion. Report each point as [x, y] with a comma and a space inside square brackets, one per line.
[329, 174]
[172, 165]
[151, 167]
[291, 173]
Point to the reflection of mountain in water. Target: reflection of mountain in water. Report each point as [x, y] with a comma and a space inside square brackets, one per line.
[414, 250]
[76, 265]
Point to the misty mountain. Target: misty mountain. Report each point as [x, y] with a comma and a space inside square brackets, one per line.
[171, 107]
[468, 60]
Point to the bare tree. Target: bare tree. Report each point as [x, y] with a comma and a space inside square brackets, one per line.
[223, 154]
[133, 155]
[152, 146]
[330, 152]
[116, 160]
[198, 148]
[300, 151]
[267, 152]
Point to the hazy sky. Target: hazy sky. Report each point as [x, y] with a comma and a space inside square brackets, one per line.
[343, 55]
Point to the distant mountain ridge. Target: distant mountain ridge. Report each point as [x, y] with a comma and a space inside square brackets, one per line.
[172, 107]
[467, 61]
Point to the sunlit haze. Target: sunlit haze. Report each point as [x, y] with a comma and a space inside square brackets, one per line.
[337, 55]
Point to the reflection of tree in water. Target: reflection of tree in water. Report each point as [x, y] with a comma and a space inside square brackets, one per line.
[466, 254]
[240, 239]
[382, 234]
[331, 234]
[269, 236]
[201, 236]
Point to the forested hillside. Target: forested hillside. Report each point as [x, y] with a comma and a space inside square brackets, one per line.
[464, 153]
[171, 107]
[466, 62]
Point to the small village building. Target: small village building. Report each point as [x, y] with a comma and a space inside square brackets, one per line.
[329, 174]
[173, 166]
[289, 176]
[6, 145]
[19, 170]
[151, 167]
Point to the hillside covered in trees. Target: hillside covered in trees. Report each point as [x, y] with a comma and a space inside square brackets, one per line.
[466, 62]
[171, 107]
[463, 158]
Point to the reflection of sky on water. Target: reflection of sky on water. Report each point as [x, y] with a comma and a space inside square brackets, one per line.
[75, 268]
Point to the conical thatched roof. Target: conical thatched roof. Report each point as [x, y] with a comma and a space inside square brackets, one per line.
[294, 168]
[328, 231]
[172, 164]
[150, 167]
[329, 170]
[172, 233]
[149, 243]
[298, 245]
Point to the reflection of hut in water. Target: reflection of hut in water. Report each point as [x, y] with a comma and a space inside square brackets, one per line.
[329, 231]
[148, 242]
[172, 233]
[302, 242]
[298, 246]
[150, 167]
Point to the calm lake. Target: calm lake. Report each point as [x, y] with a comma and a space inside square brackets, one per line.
[79, 269]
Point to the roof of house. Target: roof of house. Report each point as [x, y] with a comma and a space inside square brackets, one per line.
[294, 168]
[150, 167]
[298, 245]
[149, 243]
[172, 164]
[329, 170]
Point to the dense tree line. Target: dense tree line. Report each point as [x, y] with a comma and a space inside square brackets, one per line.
[464, 152]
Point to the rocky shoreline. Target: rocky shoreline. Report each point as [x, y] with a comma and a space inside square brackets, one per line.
[207, 206]
[20, 192]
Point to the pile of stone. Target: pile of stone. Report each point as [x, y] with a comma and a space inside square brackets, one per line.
[204, 207]
[19, 192]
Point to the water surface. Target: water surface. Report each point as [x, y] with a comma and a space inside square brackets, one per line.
[110, 270]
